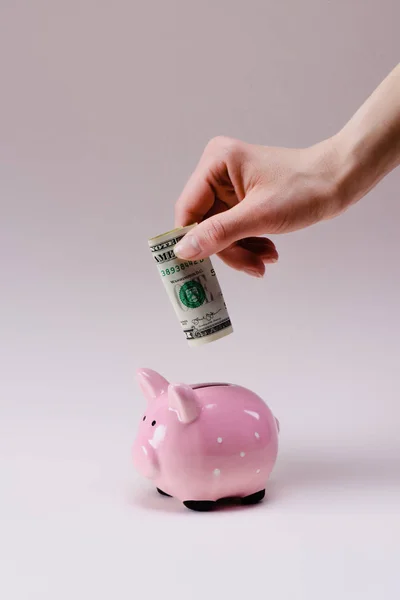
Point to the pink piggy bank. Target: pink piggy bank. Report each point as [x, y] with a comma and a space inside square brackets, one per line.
[204, 444]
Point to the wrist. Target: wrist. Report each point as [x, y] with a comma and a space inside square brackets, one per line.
[346, 165]
[365, 155]
[334, 170]
[348, 168]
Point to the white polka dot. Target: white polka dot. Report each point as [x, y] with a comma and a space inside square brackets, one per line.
[258, 470]
[253, 414]
[257, 435]
[219, 440]
[242, 454]
[217, 472]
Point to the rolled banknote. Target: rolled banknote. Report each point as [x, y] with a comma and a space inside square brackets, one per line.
[193, 288]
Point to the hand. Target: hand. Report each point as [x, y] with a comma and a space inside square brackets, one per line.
[240, 191]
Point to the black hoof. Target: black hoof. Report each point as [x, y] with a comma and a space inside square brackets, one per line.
[200, 505]
[163, 493]
[253, 498]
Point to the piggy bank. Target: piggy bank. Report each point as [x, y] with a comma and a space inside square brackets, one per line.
[205, 444]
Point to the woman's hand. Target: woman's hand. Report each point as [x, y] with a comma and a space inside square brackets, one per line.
[240, 191]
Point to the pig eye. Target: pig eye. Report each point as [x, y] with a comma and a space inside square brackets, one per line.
[153, 423]
[144, 418]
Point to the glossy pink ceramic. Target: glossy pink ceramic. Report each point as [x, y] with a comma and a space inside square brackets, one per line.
[205, 443]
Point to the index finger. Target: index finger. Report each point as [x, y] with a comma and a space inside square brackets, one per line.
[196, 199]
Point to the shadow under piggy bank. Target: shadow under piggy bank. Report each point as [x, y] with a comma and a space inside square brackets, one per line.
[153, 500]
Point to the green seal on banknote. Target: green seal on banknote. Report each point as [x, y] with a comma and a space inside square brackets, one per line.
[192, 294]
[192, 288]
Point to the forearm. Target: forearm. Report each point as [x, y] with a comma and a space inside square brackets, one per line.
[369, 144]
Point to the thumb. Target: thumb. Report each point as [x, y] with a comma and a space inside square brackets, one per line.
[218, 232]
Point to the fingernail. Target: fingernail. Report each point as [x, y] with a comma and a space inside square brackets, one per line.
[187, 248]
[254, 273]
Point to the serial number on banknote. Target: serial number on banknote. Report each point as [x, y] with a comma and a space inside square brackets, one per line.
[180, 267]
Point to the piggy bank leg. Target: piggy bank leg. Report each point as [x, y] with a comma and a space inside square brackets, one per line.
[200, 505]
[163, 493]
[253, 498]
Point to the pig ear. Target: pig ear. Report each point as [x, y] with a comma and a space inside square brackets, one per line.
[151, 383]
[182, 400]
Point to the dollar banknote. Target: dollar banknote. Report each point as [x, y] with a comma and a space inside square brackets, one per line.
[193, 289]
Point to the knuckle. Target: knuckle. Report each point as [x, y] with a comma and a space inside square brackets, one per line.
[215, 232]
[222, 145]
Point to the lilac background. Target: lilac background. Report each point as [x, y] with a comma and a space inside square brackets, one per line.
[105, 109]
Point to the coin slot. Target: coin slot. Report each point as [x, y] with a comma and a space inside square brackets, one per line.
[198, 386]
